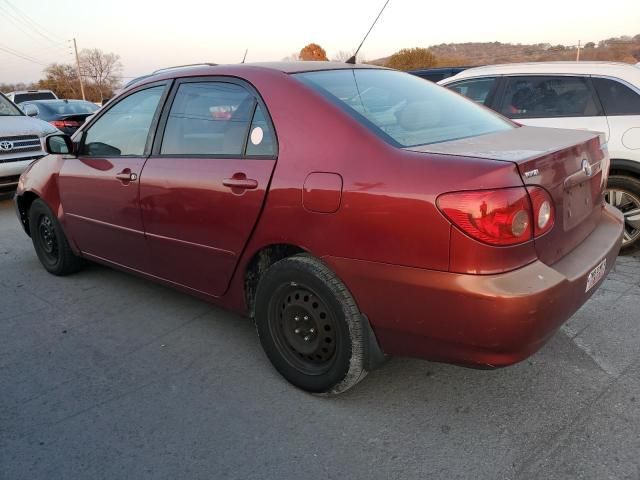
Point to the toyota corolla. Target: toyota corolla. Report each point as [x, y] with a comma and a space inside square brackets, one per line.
[354, 212]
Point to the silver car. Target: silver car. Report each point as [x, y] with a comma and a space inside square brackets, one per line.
[21, 142]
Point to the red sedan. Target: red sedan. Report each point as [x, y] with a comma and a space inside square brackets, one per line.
[354, 212]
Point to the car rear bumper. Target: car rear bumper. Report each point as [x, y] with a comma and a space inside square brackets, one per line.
[477, 320]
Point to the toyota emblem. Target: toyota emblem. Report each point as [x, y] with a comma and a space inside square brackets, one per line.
[586, 167]
[6, 146]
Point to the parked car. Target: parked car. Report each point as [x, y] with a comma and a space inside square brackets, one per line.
[599, 96]
[66, 115]
[21, 142]
[437, 74]
[352, 211]
[26, 95]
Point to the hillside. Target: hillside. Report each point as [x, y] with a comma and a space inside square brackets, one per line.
[621, 49]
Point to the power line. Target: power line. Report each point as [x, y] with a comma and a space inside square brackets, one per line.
[21, 26]
[21, 55]
[32, 24]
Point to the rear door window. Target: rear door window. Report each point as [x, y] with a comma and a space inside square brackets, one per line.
[549, 97]
[477, 89]
[616, 98]
[209, 118]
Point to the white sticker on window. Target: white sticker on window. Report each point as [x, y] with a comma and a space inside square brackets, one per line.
[257, 135]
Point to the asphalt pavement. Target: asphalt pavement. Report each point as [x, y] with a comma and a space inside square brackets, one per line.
[107, 376]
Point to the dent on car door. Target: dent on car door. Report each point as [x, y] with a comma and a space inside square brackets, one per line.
[99, 188]
[203, 187]
[553, 101]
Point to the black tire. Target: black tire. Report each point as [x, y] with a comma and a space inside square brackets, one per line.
[309, 326]
[628, 200]
[50, 242]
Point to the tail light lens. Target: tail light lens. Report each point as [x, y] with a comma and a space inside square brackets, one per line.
[507, 216]
[497, 217]
[543, 211]
[65, 123]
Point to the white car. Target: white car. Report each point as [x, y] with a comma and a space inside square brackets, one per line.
[599, 96]
[27, 95]
[21, 142]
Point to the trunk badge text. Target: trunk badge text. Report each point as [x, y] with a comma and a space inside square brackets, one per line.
[532, 173]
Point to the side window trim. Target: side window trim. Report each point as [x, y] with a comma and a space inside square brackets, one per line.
[154, 121]
[258, 101]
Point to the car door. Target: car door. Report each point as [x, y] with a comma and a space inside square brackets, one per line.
[202, 190]
[552, 101]
[622, 107]
[99, 189]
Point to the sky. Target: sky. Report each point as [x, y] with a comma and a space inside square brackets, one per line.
[153, 34]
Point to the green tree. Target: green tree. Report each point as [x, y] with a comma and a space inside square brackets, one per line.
[412, 58]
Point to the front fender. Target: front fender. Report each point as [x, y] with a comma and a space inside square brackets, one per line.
[40, 180]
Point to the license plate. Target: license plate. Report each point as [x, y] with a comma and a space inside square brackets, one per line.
[596, 274]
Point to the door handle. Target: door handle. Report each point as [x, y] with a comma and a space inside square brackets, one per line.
[240, 181]
[127, 175]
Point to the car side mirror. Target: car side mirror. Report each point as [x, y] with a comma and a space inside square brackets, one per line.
[59, 144]
[30, 111]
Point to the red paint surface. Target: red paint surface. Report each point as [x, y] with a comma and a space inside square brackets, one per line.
[412, 273]
[322, 192]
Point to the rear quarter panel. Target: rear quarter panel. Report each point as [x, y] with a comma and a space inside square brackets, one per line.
[387, 212]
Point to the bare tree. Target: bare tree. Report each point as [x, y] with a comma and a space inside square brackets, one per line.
[344, 55]
[294, 57]
[62, 79]
[103, 68]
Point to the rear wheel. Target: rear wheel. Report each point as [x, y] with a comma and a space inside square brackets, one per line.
[49, 241]
[310, 326]
[624, 193]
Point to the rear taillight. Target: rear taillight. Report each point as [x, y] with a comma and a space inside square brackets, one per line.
[507, 216]
[497, 217]
[543, 211]
[64, 123]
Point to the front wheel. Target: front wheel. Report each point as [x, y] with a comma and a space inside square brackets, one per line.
[50, 242]
[310, 326]
[624, 193]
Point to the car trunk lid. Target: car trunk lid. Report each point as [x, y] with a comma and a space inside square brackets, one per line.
[570, 165]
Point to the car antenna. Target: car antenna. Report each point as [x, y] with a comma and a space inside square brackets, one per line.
[245, 55]
[352, 59]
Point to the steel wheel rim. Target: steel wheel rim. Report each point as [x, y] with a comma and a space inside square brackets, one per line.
[304, 329]
[629, 204]
[48, 239]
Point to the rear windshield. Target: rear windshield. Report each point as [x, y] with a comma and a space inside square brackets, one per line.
[63, 107]
[25, 97]
[403, 109]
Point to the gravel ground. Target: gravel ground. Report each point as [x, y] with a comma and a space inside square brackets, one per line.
[104, 375]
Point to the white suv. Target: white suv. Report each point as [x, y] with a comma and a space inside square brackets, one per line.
[29, 95]
[600, 96]
[21, 142]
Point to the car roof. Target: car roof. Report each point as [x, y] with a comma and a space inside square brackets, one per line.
[625, 71]
[20, 92]
[57, 101]
[205, 69]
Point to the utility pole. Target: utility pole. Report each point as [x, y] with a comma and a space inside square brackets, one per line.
[578, 52]
[75, 47]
